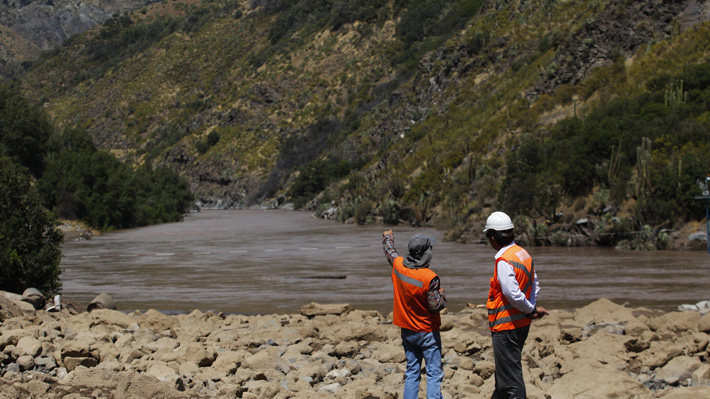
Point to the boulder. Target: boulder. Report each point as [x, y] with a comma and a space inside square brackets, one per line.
[701, 375]
[603, 311]
[704, 324]
[100, 316]
[38, 389]
[675, 322]
[387, 353]
[156, 321]
[200, 354]
[72, 363]
[686, 393]
[25, 362]
[12, 305]
[228, 362]
[316, 309]
[102, 301]
[678, 369]
[658, 354]
[76, 348]
[30, 346]
[484, 368]
[603, 347]
[635, 328]
[167, 375]
[189, 369]
[34, 297]
[594, 380]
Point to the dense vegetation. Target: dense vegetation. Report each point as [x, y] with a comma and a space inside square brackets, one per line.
[47, 174]
[29, 241]
[651, 147]
[83, 183]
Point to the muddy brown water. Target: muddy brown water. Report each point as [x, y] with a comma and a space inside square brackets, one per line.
[252, 261]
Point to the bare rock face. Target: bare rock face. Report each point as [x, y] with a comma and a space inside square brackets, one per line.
[37, 25]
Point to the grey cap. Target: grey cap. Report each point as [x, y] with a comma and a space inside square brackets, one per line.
[419, 244]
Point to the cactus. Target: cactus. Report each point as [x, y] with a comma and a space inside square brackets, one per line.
[613, 163]
[675, 96]
[643, 161]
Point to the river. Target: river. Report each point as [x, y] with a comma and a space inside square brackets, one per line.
[252, 261]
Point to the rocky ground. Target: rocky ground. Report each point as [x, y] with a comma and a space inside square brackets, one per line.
[603, 350]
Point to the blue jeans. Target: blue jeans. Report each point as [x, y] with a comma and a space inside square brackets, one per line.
[426, 345]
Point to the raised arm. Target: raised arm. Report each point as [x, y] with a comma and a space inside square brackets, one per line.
[388, 246]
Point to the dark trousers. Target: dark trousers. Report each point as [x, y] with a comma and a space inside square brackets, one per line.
[507, 347]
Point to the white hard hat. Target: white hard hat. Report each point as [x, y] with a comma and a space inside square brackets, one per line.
[498, 221]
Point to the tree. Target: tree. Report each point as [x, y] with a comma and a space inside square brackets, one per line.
[24, 130]
[29, 240]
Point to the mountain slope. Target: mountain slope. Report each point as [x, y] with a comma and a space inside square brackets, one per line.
[401, 110]
[30, 26]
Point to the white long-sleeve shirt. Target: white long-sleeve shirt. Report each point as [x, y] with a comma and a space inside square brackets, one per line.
[510, 287]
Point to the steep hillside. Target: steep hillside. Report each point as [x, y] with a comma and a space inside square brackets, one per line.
[397, 110]
[28, 27]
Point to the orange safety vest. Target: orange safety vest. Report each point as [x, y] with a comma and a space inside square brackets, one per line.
[411, 290]
[501, 314]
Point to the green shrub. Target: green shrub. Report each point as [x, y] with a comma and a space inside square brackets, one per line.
[29, 240]
[24, 130]
[362, 211]
[390, 211]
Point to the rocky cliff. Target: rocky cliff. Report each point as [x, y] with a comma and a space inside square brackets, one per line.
[28, 27]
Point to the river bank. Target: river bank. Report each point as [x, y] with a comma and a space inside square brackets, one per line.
[599, 350]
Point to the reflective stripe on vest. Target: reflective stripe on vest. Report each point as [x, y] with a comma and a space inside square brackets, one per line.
[501, 314]
[411, 290]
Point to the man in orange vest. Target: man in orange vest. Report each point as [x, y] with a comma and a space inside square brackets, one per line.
[511, 305]
[418, 299]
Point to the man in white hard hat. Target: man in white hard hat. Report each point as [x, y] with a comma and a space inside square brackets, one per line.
[511, 305]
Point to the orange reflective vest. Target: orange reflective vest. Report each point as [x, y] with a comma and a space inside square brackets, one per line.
[501, 314]
[411, 290]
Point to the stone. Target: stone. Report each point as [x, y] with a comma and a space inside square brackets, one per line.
[111, 317]
[484, 368]
[167, 375]
[102, 301]
[72, 363]
[678, 369]
[46, 363]
[635, 328]
[388, 352]
[603, 311]
[26, 362]
[228, 362]
[316, 309]
[330, 388]
[346, 349]
[30, 346]
[675, 322]
[200, 354]
[38, 388]
[686, 393]
[593, 380]
[157, 322]
[189, 369]
[704, 324]
[79, 348]
[34, 297]
[701, 375]
[11, 336]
